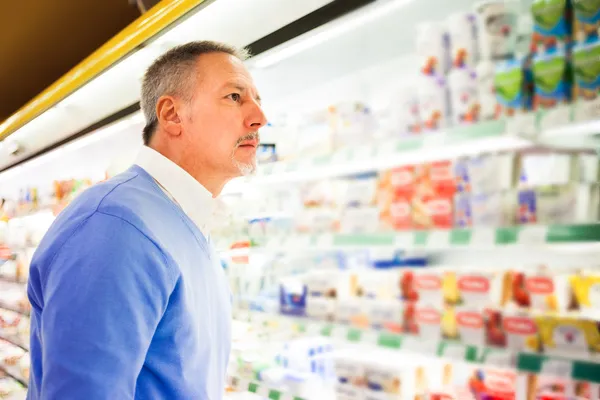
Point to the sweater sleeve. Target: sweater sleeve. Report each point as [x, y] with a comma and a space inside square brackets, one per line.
[104, 296]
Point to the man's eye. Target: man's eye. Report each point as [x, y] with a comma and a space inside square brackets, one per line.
[235, 97]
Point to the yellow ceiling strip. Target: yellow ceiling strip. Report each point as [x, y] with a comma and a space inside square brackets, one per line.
[138, 32]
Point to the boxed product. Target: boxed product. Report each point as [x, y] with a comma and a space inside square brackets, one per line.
[513, 330]
[490, 173]
[587, 18]
[541, 289]
[433, 48]
[552, 22]
[429, 286]
[497, 29]
[513, 83]
[586, 288]
[292, 296]
[350, 369]
[471, 325]
[462, 31]
[433, 323]
[358, 191]
[465, 105]
[393, 379]
[563, 204]
[571, 336]
[479, 288]
[385, 315]
[489, 107]
[553, 387]
[540, 167]
[320, 308]
[351, 123]
[434, 108]
[484, 210]
[553, 83]
[586, 75]
[352, 311]
[360, 220]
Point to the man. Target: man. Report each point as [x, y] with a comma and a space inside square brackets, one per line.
[128, 296]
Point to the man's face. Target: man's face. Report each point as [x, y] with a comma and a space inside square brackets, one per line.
[222, 120]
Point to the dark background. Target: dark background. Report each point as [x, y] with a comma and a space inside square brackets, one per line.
[41, 40]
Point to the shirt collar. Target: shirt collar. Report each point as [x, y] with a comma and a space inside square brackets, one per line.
[193, 198]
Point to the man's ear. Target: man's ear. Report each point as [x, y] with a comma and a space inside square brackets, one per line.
[168, 115]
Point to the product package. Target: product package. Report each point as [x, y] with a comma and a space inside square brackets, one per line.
[586, 75]
[462, 31]
[513, 85]
[464, 95]
[434, 106]
[587, 19]
[497, 31]
[552, 80]
[586, 288]
[552, 22]
[484, 72]
[571, 337]
[433, 48]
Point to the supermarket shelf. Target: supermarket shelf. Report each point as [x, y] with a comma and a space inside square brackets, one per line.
[527, 235]
[15, 341]
[491, 136]
[527, 362]
[443, 145]
[14, 309]
[242, 384]
[9, 372]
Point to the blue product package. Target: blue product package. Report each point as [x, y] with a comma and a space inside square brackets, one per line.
[292, 300]
[463, 214]
[461, 174]
[527, 207]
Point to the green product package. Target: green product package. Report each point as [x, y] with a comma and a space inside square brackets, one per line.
[512, 86]
[586, 69]
[587, 18]
[552, 79]
[552, 21]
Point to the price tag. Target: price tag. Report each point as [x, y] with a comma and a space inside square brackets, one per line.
[533, 235]
[370, 337]
[557, 367]
[438, 239]
[483, 237]
[587, 110]
[555, 118]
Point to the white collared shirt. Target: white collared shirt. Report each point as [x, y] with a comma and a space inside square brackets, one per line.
[193, 198]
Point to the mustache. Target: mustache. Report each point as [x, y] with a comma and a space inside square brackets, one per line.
[250, 136]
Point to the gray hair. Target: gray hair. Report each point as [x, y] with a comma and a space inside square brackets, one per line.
[173, 73]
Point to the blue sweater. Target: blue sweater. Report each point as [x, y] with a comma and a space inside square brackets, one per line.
[129, 300]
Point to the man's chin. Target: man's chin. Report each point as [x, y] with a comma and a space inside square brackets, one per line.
[245, 169]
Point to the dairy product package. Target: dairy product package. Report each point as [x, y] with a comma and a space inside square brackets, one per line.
[484, 72]
[351, 123]
[394, 379]
[573, 203]
[465, 105]
[350, 372]
[541, 289]
[384, 315]
[482, 288]
[586, 74]
[551, 386]
[432, 45]
[434, 108]
[470, 324]
[484, 210]
[573, 337]
[462, 31]
[553, 80]
[352, 311]
[514, 330]
[513, 85]
[552, 22]
[490, 173]
[587, 19]
[497, 31]
[586, 287]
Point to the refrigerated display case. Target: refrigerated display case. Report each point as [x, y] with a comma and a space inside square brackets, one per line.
[428, 191]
